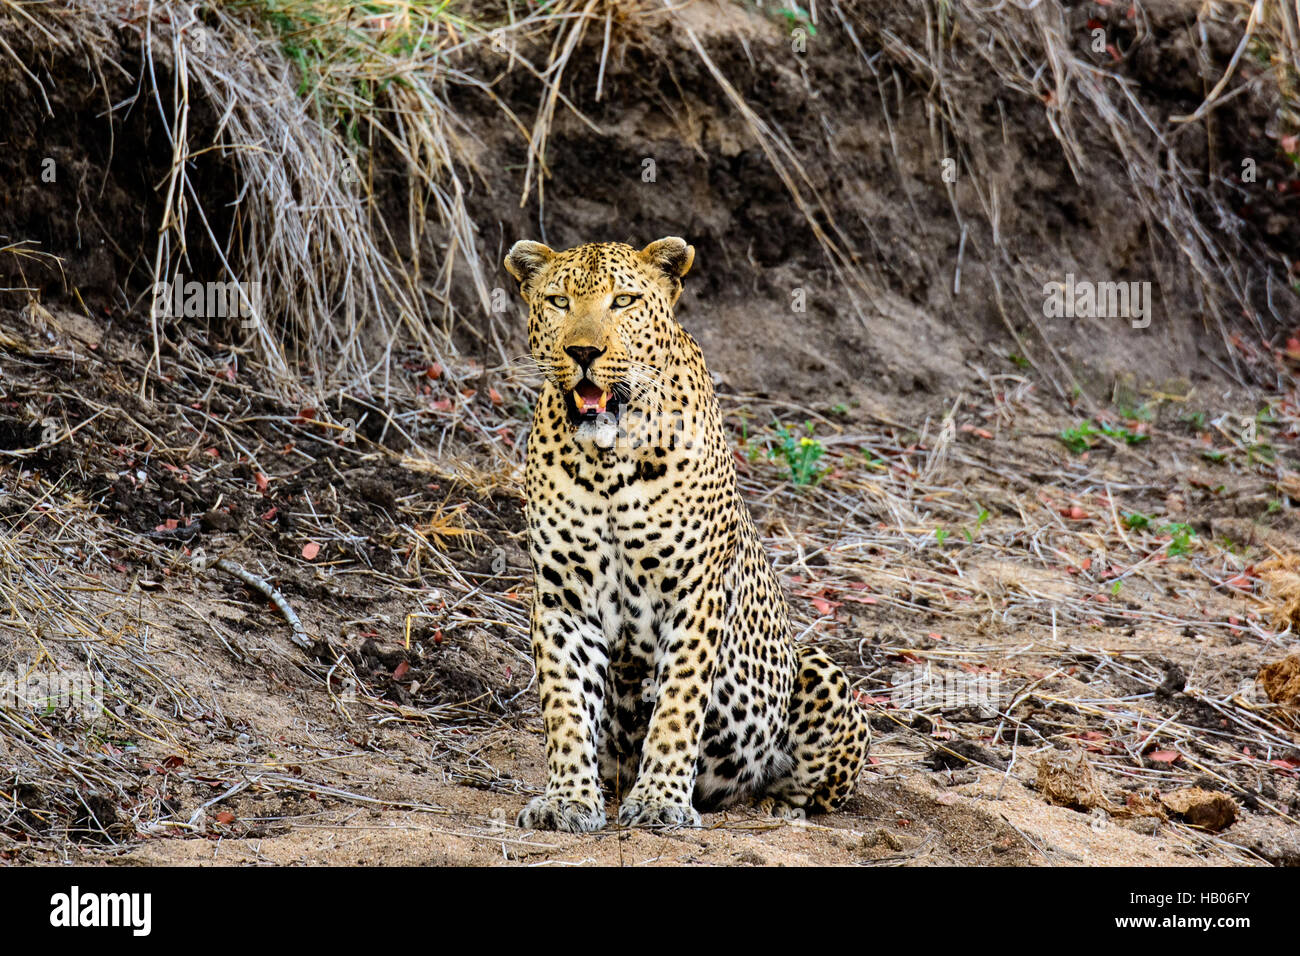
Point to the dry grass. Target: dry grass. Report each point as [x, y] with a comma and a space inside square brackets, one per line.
[310, 94]
[1100, 122]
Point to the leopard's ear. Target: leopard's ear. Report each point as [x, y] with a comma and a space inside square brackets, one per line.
[525, 259]
[671, 254]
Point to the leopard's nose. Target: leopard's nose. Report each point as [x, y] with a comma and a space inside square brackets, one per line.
[584, 355]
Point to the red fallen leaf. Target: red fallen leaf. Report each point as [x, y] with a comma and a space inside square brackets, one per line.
[441, 405]
[469, 392]
[270, 515]
[824, 606]
[172, 762]
[1233, 620]
[434, 371]
[874, 761]
[304, 416]
[1286, 763]
[495, 396]
[935, 636]
[1074, 513]
[212, 452]
[400, 670]
[171, 524]
[1085, 564]
[511, 596]
[1241, 581]
[1163, 756]
[437, 634]
[310, 550]
[1095, 24]
[262, 482]
[225, 817]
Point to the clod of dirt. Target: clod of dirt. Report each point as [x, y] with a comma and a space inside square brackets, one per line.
[1281, 576]
[1174, 682]
[1202, 808]
[379, 492]
[958, 753]
[1067, 780]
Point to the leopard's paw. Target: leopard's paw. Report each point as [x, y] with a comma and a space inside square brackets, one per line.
[557, 812]
[654, 811]
[781, 809]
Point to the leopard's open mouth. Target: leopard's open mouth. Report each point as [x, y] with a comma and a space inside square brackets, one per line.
[589, 401]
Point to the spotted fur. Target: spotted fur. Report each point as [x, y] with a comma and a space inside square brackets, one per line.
[665, 663]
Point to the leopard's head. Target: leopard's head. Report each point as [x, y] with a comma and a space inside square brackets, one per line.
[600, 317]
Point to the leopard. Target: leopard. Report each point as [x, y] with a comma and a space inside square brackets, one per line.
[666, 668]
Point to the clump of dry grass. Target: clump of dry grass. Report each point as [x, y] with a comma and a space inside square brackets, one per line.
[1281, 575]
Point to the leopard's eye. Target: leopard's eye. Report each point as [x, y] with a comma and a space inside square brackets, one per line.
[559, 301]
[623, 301]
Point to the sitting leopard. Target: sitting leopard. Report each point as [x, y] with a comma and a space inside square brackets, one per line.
[665, 663]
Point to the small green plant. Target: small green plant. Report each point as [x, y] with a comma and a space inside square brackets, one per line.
[1018, 360]
[1127, 435]
[1182, 538]
[1116, 588]
[979, 523]
[1227, 544]
[1135, 521]
[1142, 413]
[795, 17]
[1261, 452]
[940, 536]
[800, 453]
[1196, 420]
[1080, 438]
[1214, 455]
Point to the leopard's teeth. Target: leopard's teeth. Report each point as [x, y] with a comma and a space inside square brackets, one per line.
[584, 403]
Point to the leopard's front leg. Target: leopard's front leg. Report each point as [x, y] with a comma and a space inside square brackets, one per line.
[572, 660]
[687, 652]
